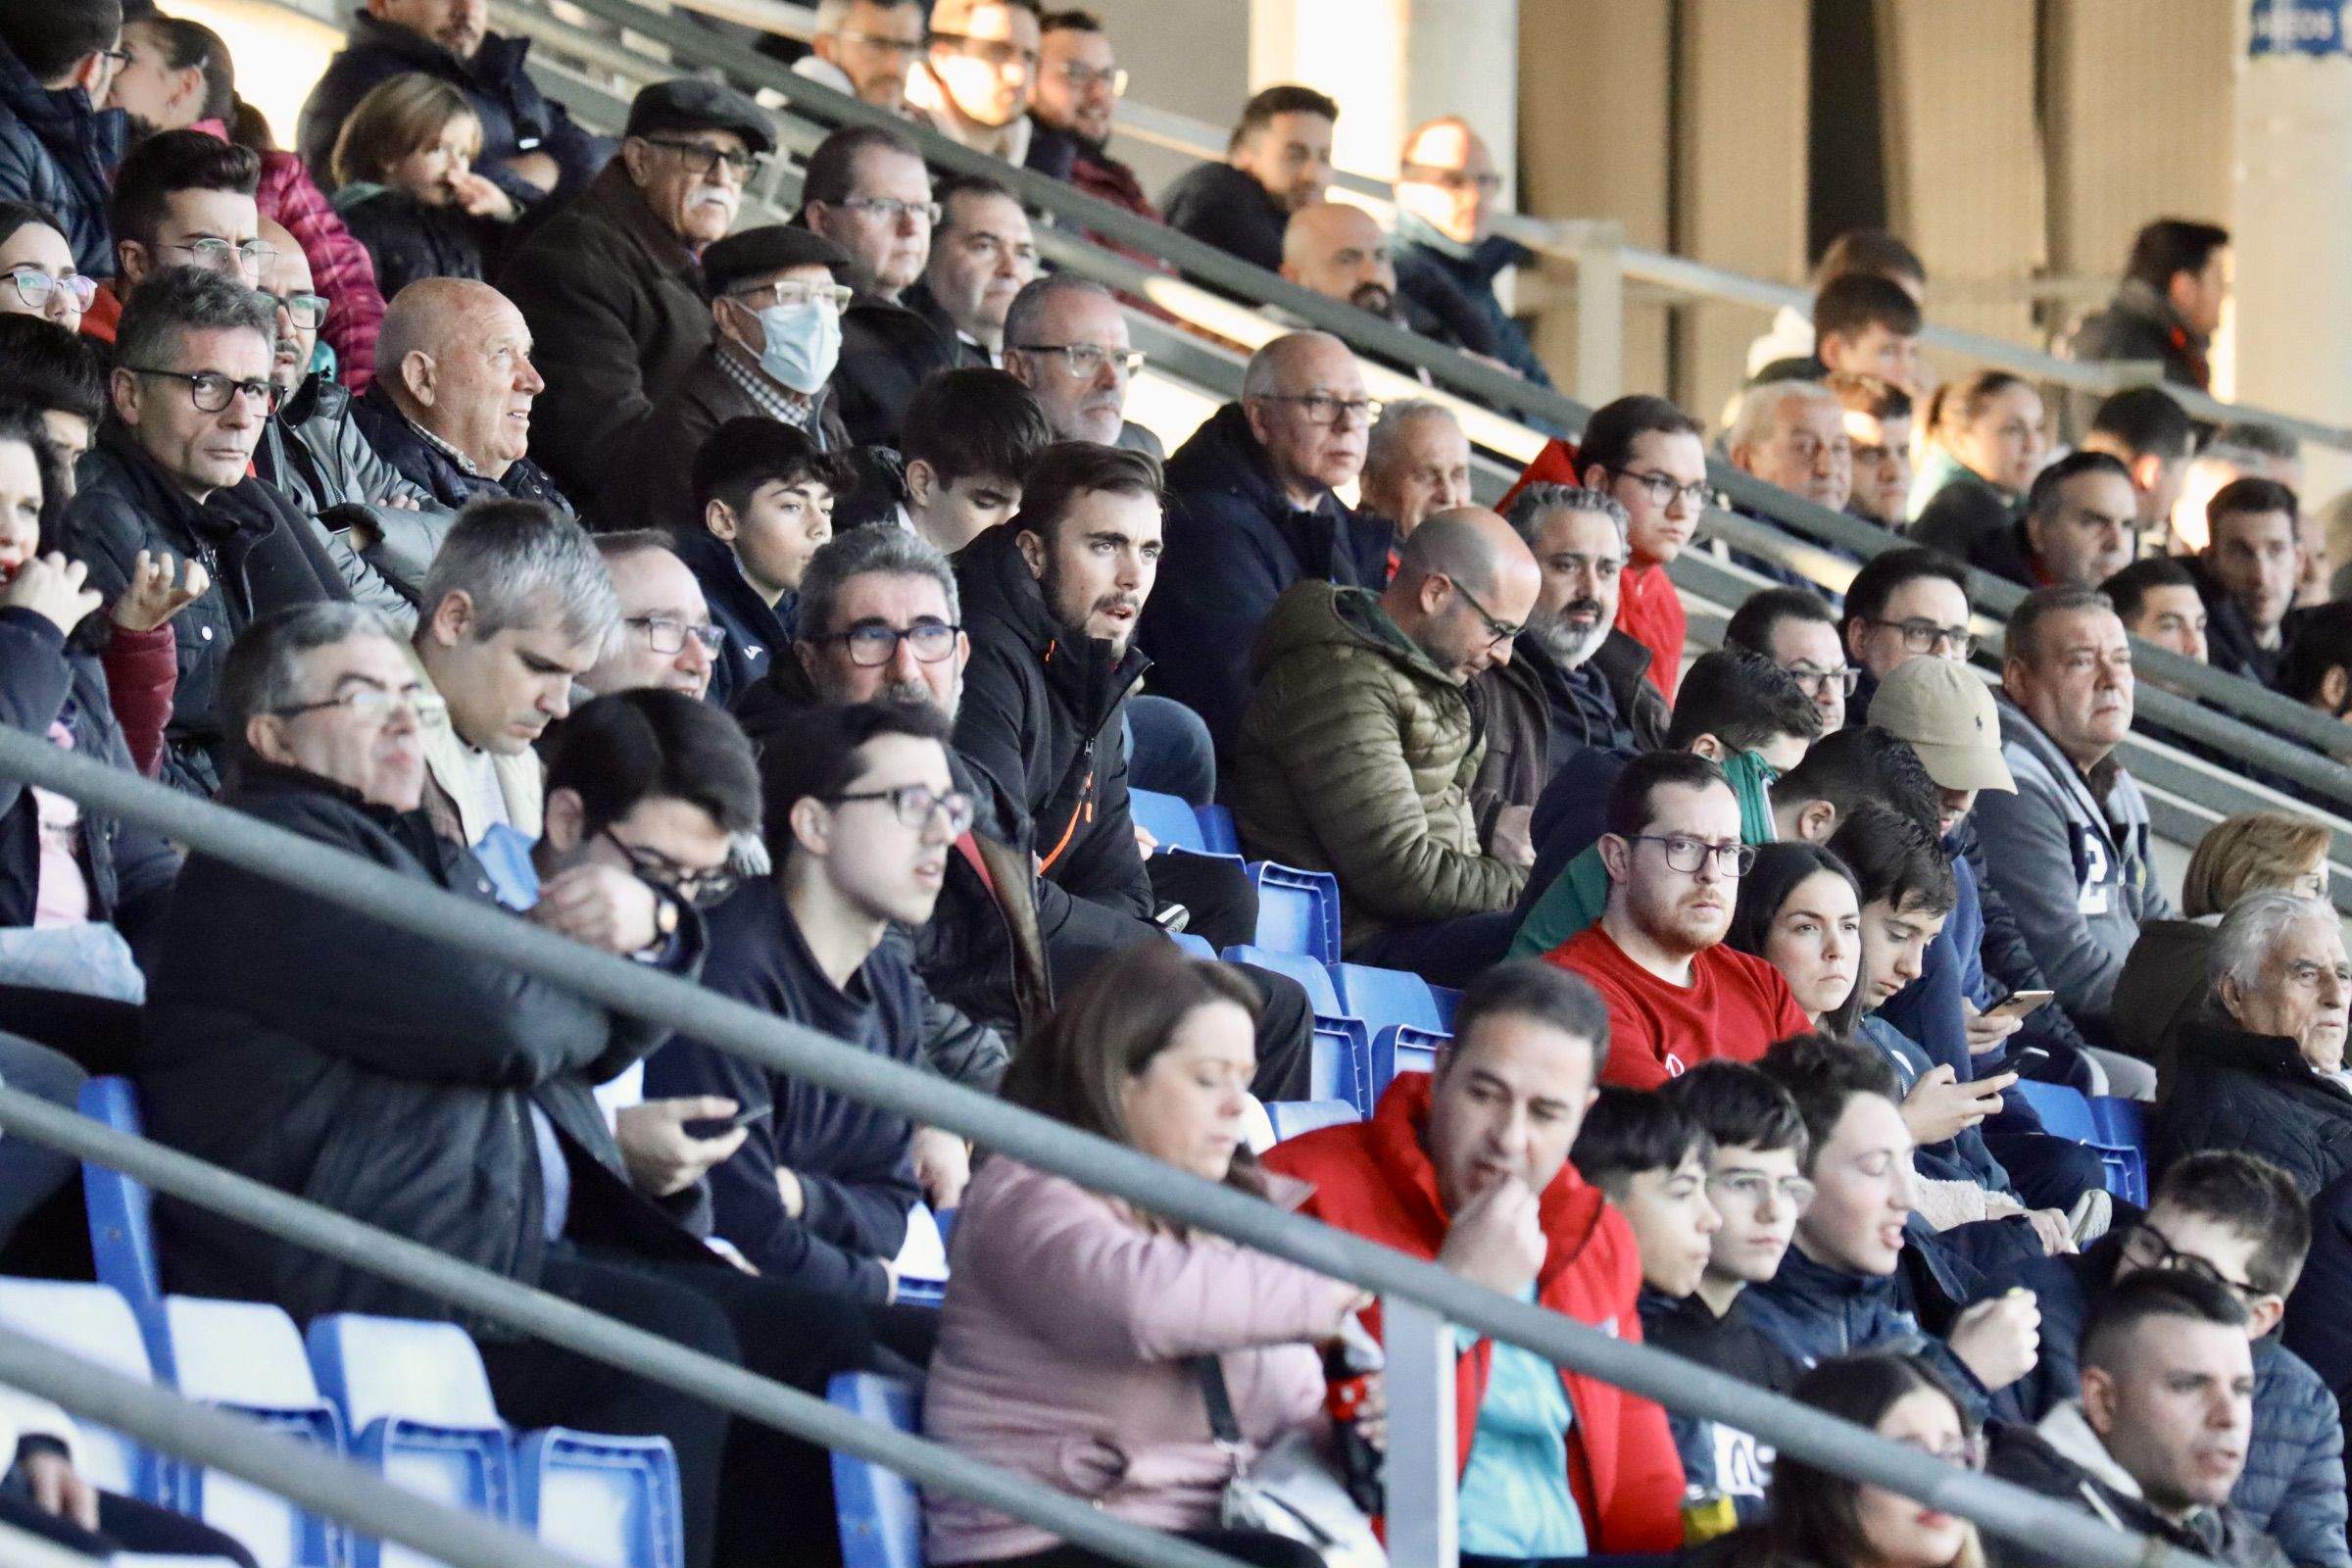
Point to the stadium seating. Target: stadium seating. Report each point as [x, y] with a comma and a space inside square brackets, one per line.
[1291, 1117]
[1400, 1048]
[1342, 1044]
[606, 1500]
[2065, 1112]
[2124, 1125]
[1386, 996]
[1298, 911]
[1167, 818]
[1197, 946]
[96, 1324]
[1217, 830]
[122, 1211]
[881, 1516]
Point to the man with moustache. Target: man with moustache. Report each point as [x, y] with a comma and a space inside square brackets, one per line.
[609, 286]
[1338, 251]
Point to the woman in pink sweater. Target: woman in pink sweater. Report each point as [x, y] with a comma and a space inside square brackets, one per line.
[1064, 1349]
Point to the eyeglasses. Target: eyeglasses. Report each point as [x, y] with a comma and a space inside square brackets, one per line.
[1081, 78]
[216, 255]
[1752, 1188]
[118, 57]
[1321, 407]
[883, 42]
[916, 805]
[1967, 1452]
[2145, 1245]
[1813, 680]
[667, 634]
[306, 311]
[891, 209]
[211, 391]
[371, 703]
[870, 647]
[36, 287]
[1502, 631]
[1085, 361]
[689, 885]
[792, 295]
[997, 52]
[1687, 854]
[1664, 489]
[1925, 637]
[701, 158]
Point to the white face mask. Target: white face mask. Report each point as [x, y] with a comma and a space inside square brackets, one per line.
[804, 344]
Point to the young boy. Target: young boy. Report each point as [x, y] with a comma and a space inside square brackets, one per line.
[764, 494]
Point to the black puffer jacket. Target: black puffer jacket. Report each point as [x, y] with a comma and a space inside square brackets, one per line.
[886, 352]
[408, 240]
[395, 1088]
[2254, 1094]
[435, 470]
[261, 552]
[59, 155]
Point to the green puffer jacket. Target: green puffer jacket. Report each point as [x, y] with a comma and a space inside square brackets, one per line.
[1355, 757]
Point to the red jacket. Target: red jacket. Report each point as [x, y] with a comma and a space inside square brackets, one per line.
[1374, 1178]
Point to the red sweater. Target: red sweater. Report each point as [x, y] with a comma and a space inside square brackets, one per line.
[1374, 1178]
[1735, 1007]
[1649, 610]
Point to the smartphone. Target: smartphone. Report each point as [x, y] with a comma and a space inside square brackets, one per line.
[2017, 1003]
[720, 1126]
[1172, 919]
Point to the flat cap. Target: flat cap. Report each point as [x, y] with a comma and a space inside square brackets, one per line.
[771, 248]
[690, 103]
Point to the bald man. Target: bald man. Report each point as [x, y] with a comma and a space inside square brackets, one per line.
[1341, 253]
[1251, 510]
[1447, 255]
[1357, 746]
[450, 404]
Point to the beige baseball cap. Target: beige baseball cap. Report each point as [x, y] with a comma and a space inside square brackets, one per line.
[1947, 713]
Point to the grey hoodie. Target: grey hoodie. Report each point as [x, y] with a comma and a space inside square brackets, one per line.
[2077, 873]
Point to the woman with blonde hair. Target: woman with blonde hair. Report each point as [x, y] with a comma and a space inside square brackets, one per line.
[2163, 983]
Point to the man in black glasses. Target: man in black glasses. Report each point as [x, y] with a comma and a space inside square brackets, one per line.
[191, 394]
[1903, 604]
[1796, 630]
[667, 637]
[56, 59]
[611, 285]
[975, 78]
[1066, 340]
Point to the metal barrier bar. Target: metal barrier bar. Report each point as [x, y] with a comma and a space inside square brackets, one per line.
[354, 882]
[322, 1483]
[22, 1548]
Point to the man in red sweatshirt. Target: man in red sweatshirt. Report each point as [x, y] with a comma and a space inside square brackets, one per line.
[1468, 1165]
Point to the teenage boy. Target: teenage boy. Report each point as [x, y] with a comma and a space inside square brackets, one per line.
[764, 494]
[971, 434]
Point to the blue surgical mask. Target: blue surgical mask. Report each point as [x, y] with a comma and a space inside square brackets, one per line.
[804, 344]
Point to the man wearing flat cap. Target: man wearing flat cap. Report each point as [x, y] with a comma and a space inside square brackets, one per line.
[776, 298]
[611, 285]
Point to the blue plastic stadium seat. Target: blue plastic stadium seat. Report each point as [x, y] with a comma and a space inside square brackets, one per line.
[1197, 946]
[1321, 994]
[1291, 1117]
[122, 1211]
[610, 1501]
[1298, 911]
[1401, 1049]
[1444, 997]
[417, 1406]
[247, 1356]
[1384, 996]
[94, 1323]
[1342, 1044]
[1167, 818]
[2124, 1125]
[1216, 830]
[881, 1518]
[2065, 1114]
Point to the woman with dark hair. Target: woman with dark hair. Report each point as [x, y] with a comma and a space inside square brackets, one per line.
[1987, 434]
[37, 275]
[1816, 1518]
[1068, 1349]
[1799, 911]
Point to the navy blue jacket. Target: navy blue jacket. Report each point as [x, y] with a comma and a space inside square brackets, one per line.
[515, 117]
[1437, 281]
[2255, 1093]
[1720, 1461]
[856, 1178]
[2294, 1484]
[756, 633]
[427, 467]
[1814, 1312]
[1233, 543]
[59, 154]
[2318, 1327]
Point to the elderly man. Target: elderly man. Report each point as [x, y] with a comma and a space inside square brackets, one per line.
[516, 607]
[608, 285]
[452, 400]
[777, 294]
[666, 637]
[1253, 510]
[1416, 461]
[866, 48]
[2070, 850]
[191, 394]
[1793, 434]
[866, 190]
[1078, 88]
[2263, 1071]
[1277, 161]
[981, 257]
[1066, 339]
[1448, 193]
[1377, 681]
[975, 78]
[531, 147]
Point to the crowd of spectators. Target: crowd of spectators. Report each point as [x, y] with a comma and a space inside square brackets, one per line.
[795, 609]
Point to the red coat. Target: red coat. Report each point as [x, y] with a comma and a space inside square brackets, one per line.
[1374, 1179]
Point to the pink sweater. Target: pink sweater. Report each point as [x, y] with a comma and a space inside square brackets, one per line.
[1061, 1357]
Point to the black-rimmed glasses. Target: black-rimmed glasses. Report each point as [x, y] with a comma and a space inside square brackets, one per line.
[1501, 631]
[2147, 1246]
[916, 805]
[1663, 488]
[870, 647]
[1321, 407]
[701, 158]
[699, 888]
[1926, 637]
[211, 391]
[306, 311]
[1687, 854]
[1813, 680]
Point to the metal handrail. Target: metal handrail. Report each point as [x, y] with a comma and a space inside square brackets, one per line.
[353, 881]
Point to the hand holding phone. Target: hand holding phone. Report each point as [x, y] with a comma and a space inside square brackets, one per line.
[2018, 1003]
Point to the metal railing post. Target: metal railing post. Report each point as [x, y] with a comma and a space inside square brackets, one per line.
[1423, 1505]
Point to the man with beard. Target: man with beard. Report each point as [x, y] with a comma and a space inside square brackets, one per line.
[1573, 681]
[1078, 88]
[1339, 251]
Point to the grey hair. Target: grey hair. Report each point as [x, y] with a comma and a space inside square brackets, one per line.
[1263, 377]
[187, 299]
[263, 671]
[524, 563]
[1021, 317]
[883, 547]
[1531, 504]
[2251, 928]
[1389, 429]
[1760, 407]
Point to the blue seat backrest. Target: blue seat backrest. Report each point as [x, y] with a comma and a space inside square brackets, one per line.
[2064, 1111]
[1398, 1048]
[95, 1323]
[1216, 829]
[1167, 818]
[1291, 1117]
[1321, 996]
[2121, 1122]
[1384, 996]
[881, 1516]
[1298, 911]
[122, 1211]
[611, 1501]
[1197, 946]
[1445, 997]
